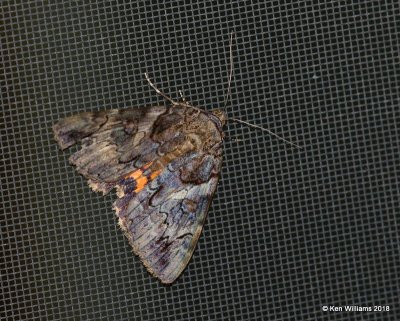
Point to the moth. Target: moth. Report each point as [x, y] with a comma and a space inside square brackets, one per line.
[164, 162]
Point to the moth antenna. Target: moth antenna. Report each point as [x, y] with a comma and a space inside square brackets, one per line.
[265, 130]
[228, 91]
[159, 91]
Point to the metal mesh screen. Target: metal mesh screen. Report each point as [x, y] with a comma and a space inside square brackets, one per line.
[289, 231]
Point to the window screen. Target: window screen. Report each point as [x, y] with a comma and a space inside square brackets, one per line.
[290, 231]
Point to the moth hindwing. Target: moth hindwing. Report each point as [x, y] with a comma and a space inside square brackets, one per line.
[164, 163]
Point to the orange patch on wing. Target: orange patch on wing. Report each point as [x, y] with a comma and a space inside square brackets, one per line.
[155, 174]
[141, 183]
[140, 179]
[147, 165]
[143, 180]
[136, 174]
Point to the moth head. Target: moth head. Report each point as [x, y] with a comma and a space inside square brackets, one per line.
[220, 115]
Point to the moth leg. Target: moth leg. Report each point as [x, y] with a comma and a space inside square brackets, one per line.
[158, 91]
[173, 102]
[182, 96]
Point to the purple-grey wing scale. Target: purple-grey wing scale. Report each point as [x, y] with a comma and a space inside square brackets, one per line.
[164, 221]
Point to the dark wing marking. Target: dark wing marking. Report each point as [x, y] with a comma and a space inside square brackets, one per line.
[164, 163]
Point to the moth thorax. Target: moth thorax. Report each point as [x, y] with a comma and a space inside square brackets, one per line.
[220, 115]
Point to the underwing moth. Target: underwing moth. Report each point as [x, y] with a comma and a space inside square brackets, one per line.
[164, 162]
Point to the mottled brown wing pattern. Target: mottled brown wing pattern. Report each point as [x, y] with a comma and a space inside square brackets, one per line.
[164, 163]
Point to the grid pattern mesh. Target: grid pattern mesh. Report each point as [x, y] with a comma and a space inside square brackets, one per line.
[289, 230]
